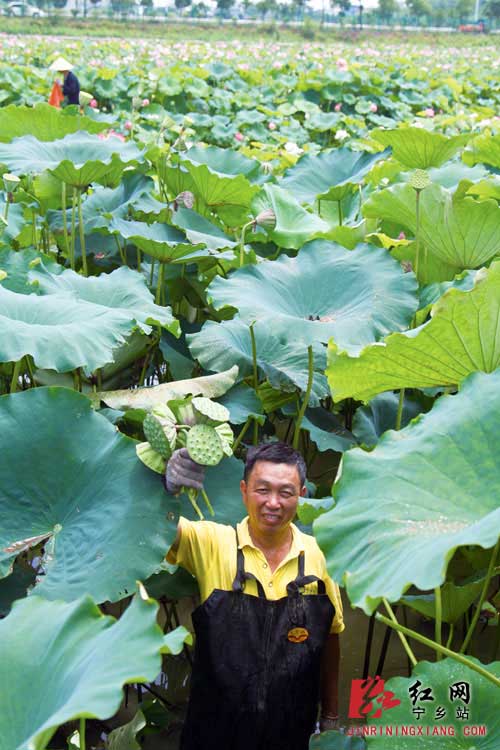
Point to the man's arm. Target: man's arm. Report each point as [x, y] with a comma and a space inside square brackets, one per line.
[330, 683]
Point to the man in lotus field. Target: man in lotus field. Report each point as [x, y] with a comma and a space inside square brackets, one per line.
[267, 629]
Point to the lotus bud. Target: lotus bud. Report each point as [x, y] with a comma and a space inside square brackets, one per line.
[266, 219]
[11, 182]
[186, 199]
[420, 180]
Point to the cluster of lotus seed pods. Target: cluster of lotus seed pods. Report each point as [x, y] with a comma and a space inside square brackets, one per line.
[198, 424]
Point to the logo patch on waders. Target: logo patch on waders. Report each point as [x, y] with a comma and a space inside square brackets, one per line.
[298, 635]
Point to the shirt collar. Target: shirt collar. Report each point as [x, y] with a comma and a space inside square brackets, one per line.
[245, 540]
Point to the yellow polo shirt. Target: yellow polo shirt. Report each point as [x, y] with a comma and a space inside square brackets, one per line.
[208, 551]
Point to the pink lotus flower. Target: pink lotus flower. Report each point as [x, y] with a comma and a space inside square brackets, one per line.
[93, 103]
[401, 236]
[145, 102]
[429, 112]
[338, 107]
[342, 64]
[373, 107]
[272, 126]
[128, 125]
[239, 136]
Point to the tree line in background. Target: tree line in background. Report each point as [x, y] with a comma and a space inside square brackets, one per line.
[400, 12]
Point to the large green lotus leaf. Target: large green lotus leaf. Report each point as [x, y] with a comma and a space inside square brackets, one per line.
[418, 148]
[17, 264]
[15, 221]
[201, 231]
[80, 486]
[122, 289]
[336, 741]
[243, 403]
[371, 421]
[224, 161]
[439, 676]
[294, 225]
[105, 204]
[211, 386]
[484, 149]
[83, 658]
[462, 337]
[218, 191]
[329, 174]
[403, 509]
[44, 122]
[162, 241]
[356, 296]
[455, 600]
[324, 428]
[60, 331]
[78, 159]
[463, 233]
[280, 358]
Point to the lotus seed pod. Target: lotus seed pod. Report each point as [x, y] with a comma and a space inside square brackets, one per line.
[266, 219]
[420, 179]
[225, 433]
[11, 182]
[163, 411]
[150, 458]
[204, 445]
[183, 411]
[208, 411]
[155, 434]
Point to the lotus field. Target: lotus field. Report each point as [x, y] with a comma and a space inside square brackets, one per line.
[229, 244]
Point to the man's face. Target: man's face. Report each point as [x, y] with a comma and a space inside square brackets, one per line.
[271, 494]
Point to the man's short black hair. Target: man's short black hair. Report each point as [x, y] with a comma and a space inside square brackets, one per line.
[276, 453]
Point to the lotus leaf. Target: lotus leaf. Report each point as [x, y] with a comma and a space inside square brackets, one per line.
[224, 161]
[46, 123]
[294, 225]
[463, 233]
[482, 709]
[280, 358]
[242, 403]
[78, 159]
[146, 398]
[201, 231]
[356, 296]
[485, 149]
[371, 421]
[461, 337]
[83, 659]
[418, 148]
[328, 175]
[59, 331]
[336, 741]
[124, 737]
[162, 241]
[403, 509]
[81, 488]
[17, 265]
[123, 289]
[455, 600]
[324, 428]
[15, 220]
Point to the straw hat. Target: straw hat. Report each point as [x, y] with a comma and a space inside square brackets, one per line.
[61, 65]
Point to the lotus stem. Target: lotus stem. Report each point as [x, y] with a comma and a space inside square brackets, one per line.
[339, 204]
[417, 231]
[242, 242]
[159, 284]
[15, 376]
[138, 260]
[82, 734]
[300, 416]
[438, 620]
[496, 643]
[73, 228]
[240, 437]
[65, 224]
[123, 255]
[30, 370]
[207, 501]
[450, 635]
[254, 357]
[482, 598]
[395, 624]
[192, 495]
[435, 646]
[6, 211]
[151, 275]
[81, 228]
[33, 229]
[399, 415]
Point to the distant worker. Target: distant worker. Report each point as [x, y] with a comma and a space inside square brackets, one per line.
[71, 85]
